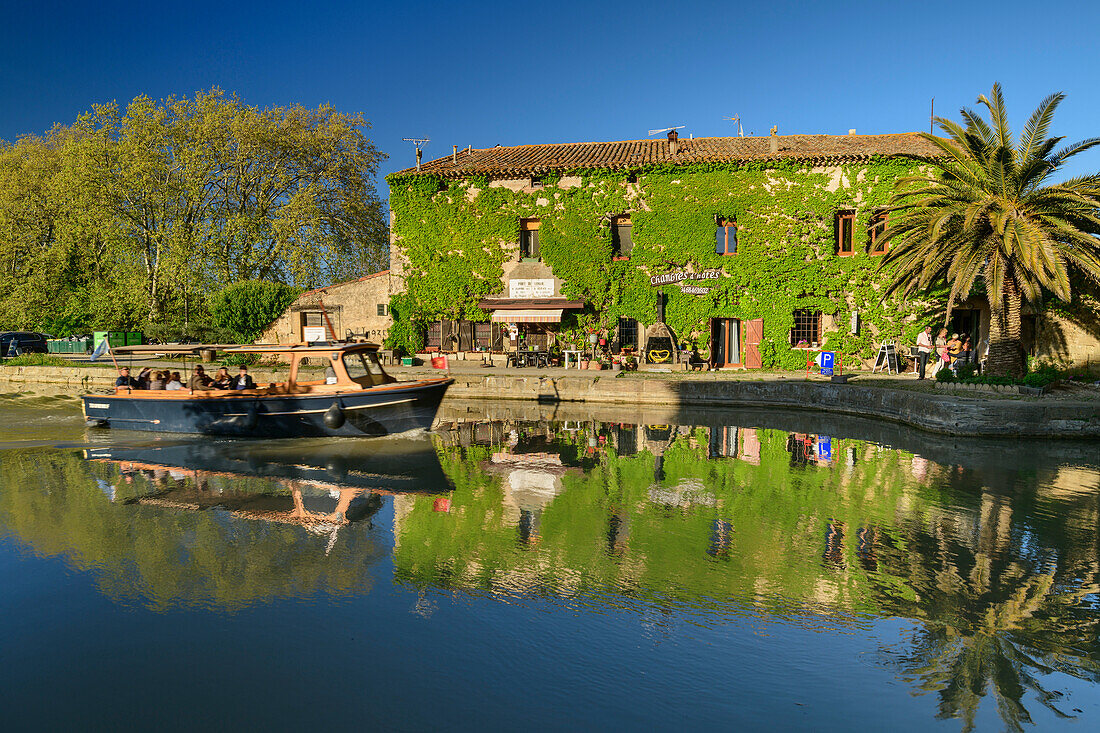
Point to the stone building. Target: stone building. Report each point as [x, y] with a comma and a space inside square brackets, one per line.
[356, 310]
[748, 252]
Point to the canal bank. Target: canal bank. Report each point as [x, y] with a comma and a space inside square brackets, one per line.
[940, 413]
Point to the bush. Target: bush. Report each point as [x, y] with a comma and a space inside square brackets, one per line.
[237, 360]
[945, 375]
[966, 371]
[36, 360]
[247, 307]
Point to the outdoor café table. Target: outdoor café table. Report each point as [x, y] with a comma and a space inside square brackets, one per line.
[576, 357]
[532, 358]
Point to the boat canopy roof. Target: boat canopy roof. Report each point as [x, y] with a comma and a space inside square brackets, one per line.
[309, 348]
[306, 348]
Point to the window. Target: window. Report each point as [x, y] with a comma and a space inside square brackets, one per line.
[807, 328]
[621, 243]
[435, 334]
[845, 226]
[383, 309]
[725, 237]
[364, 368]
[628, 333]
[529, 239]
[315, 327]
[876, 229]
[483, 336]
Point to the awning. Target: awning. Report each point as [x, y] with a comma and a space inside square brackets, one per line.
[529, 315]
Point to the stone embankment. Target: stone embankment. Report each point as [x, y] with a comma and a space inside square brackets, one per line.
[940, 413]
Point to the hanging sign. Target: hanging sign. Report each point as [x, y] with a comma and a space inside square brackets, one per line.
[694, 290]
[677, 276]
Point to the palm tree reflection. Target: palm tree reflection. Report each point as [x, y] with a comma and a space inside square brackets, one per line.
[999, 606]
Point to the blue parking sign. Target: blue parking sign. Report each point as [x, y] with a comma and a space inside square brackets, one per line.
[825, 447]
[826, 363]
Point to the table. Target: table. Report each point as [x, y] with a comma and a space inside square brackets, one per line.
[577, 357]
[532, 358]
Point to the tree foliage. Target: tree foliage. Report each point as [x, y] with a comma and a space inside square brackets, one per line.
[247, 307]
[987, 210]
[127, 218]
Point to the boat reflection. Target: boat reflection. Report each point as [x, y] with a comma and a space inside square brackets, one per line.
[317, 484]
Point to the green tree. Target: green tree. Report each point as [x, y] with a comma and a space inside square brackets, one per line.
[987, 208]
[249, 306]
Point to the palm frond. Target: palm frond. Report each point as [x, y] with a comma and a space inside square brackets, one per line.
[1037, 127]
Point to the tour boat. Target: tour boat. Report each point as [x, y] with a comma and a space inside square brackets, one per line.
[356, 398]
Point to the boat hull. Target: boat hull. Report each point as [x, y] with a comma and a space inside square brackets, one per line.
[382, 411]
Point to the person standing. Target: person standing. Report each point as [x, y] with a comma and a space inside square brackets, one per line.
[924, 348]
[941, 351]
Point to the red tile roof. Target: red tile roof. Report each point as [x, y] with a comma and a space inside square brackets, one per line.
[534, 159]
[346, 282]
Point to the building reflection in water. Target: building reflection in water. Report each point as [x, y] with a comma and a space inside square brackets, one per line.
[998, 597]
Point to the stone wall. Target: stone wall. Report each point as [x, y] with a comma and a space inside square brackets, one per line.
[1073, 341]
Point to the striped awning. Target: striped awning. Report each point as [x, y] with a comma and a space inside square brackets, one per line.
[527, 316]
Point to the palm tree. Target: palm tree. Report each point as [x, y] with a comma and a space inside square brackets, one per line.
[986, 208]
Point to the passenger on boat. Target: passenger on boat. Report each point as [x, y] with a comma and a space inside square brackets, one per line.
[199, 380]
[175, 382]
[222, 380]
[158, 380]
[125, 380]
[244, 380]
[144, 377]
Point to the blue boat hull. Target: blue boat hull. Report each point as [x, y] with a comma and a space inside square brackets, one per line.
[372, 412]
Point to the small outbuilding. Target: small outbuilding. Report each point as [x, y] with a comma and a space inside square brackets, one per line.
[356, 310]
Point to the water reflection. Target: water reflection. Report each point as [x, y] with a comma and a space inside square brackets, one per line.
[213, 524]
[998, 564]
[988, 555]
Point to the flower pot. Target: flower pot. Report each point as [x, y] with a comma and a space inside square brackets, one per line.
[584, 364]
[595, 366]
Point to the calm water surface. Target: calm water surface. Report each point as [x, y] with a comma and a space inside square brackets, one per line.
[547, 568]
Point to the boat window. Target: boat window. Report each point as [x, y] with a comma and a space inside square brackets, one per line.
[364, 368]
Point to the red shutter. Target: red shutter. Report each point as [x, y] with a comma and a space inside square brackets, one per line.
[754, 334]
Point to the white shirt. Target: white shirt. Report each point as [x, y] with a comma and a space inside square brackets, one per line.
[173, 385]
[924, 342]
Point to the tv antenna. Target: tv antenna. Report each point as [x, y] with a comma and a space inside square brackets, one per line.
[419, 142]
[666, 129]
[737, 119]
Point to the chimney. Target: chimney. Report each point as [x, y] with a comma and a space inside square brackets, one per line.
[852, 131]
[773, 141]
[454, 154]
[673, 142]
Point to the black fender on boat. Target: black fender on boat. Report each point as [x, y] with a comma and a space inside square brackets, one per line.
[334, 417]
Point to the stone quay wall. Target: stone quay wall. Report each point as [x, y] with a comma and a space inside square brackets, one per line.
[944, 414]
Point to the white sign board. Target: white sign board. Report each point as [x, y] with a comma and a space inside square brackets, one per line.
[314, 333]
[540, 288]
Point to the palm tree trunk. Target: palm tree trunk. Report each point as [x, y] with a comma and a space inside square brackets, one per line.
[1005, 348]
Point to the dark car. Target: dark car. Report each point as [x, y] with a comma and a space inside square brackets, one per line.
[27, 342]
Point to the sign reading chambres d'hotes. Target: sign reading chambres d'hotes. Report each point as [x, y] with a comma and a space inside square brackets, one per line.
[677, 276]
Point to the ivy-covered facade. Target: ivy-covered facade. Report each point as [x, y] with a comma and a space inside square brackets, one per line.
[754, 248]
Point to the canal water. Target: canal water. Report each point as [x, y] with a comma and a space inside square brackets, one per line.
[541, 567]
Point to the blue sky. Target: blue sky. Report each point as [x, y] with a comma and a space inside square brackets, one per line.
[514, 73]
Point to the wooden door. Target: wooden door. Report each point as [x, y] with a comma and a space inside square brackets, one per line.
[465, 335]
[754, 334]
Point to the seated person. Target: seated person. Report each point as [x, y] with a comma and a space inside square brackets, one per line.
[244, 379]
[125, 380]
[199, 380]
[158, 381]
[175, 382]
[143, 378]
[222, 380]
